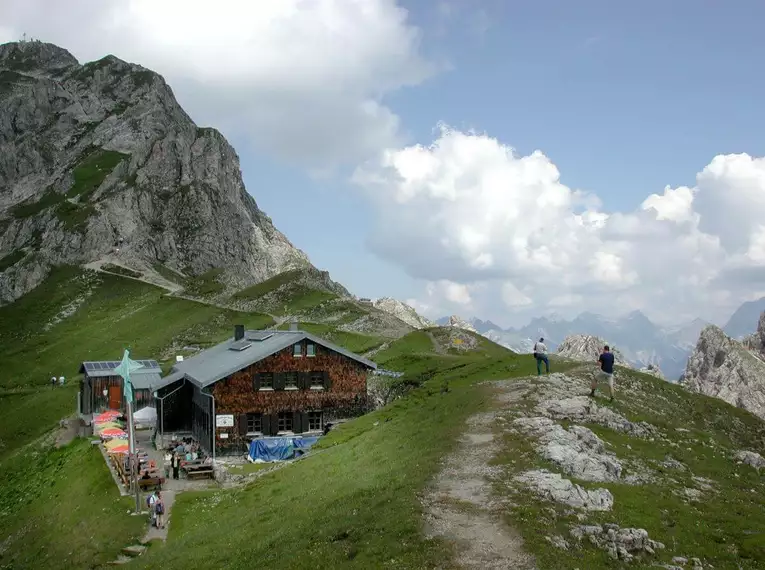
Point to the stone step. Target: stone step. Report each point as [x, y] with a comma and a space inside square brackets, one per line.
[134, 550]
[121, 559]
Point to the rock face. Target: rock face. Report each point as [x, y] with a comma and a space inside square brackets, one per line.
[99, 160]
[586, 348]
[756, 342]
[460, 323]
[402, 311]
[729, 370]
[653, 370]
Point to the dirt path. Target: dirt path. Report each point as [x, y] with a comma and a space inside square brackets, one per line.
[436, 346]
[150, 277]
[459, 507]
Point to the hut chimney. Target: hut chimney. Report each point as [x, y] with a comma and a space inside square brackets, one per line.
[238, 332]
[293, 325]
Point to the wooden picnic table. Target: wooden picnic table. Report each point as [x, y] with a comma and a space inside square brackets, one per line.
[198, 468]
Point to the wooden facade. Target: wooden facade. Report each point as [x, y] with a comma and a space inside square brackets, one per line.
[296, 390]
[93, 400]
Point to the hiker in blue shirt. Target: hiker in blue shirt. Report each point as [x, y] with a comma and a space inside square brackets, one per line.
[606, 372]
[540, 353]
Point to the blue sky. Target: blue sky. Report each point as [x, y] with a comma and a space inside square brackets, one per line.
[624, 98]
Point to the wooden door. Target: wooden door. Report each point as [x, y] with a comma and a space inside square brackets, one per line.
[115, 393]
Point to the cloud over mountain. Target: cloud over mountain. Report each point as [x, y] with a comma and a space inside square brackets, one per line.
[468, 210]
[305, 80]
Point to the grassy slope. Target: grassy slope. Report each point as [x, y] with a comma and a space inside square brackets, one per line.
[288, 294]
[724, 528]
[355, 503]
[61, 509]
[118, 313]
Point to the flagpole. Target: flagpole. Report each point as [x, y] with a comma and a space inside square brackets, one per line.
[124, 370]
[134, 458]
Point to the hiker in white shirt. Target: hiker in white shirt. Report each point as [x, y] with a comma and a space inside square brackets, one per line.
[540, 353]
[151, 502]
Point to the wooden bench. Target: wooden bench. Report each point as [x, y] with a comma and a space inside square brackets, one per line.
[154, 483]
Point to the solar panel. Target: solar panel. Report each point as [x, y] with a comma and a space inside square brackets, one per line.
[154, 364]
[240, 345]
[112, 365]
[88, 366]
[259, 335]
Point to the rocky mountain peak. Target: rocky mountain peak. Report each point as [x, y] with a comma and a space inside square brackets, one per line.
[756, 342]
[586, 348]
[35, 57]
[402, 311]
[728, 369]
[458, 322]
[100, 163]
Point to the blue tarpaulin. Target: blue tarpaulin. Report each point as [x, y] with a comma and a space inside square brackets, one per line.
[279, 448]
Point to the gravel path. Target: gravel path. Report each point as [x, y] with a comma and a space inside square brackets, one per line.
[459, 506]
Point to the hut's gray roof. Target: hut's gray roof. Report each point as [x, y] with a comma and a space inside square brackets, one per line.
[221, 360]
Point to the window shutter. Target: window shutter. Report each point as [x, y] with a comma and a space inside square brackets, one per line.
[256, 381]
[274, 424]
[304, 420]
[327, 381]
[278, 380]
[304, 380]
[265, 424]
[297, 423]
[242, 424]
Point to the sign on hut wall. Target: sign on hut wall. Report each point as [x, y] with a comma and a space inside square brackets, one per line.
[224, 420]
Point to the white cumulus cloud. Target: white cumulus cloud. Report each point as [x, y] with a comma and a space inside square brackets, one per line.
[303, 79]
[469, 210]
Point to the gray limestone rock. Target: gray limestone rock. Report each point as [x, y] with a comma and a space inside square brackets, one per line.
[578, 451]
[619, 543]
[586, 348]
[750, 458]
[554, 487]
[584, 409]
[100, 160]
[727, 369]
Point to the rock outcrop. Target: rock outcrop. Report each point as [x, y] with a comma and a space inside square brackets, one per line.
[402, 311]
[460, 323]
[100, 161]
[653, 370]
[727, 369]
[756, 342]
[586, 348]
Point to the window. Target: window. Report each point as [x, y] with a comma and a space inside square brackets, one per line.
[266, 380]
[284, 422]
[314, 421]
[290, 380]
[254, 423]
[310, 350]
[317, 379]
[297, 350]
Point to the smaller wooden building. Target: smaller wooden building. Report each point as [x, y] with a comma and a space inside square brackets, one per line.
[101, 389]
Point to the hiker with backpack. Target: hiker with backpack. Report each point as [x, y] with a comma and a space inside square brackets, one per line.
[151, 503]
[540, 353]
[159, 509]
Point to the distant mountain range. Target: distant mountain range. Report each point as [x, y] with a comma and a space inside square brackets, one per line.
[744, 321]
[640, 341]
